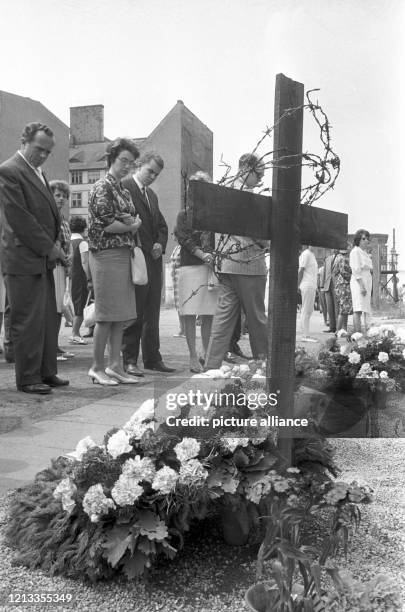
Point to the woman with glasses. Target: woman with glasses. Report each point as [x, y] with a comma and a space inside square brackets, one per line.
[361, 281]
[113, 223]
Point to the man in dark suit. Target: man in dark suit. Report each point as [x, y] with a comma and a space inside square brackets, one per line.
[153, 238]
[329, 292]
[29, 247]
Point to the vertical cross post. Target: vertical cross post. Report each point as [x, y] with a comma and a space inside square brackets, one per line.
[282, 299]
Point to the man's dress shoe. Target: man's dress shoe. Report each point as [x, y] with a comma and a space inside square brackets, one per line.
[133, 370]
[38, 388]
[55, 381]
[159, 366]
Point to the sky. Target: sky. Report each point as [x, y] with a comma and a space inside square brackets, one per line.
[220, 57]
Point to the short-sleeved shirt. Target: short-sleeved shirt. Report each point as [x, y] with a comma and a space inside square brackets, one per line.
[308, 262]
[108, 201]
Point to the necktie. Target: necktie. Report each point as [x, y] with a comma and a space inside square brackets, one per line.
[145, 197]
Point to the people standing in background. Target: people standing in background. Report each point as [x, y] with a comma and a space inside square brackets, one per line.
[29, 248]
[61, 273]
[330, 291]
[361, 281]
[80, 273]
[196, 296]
[2, 302]
[143, 332]
[307, 282]
[341, 281]
[321, 292]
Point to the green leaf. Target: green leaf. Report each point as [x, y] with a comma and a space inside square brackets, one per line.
[150, 525]
[135, 565]
[116, 544]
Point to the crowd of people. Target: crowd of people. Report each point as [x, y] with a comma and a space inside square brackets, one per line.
[50, 265]
[343, 284]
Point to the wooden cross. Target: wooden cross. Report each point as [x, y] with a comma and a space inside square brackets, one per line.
[282, 219]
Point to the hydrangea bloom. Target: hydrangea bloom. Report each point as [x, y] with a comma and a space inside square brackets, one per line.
[126, 491]
[119, 444]
[63, 492]
[96, 504]
[192, 473]
[354, 357]
[187, 449]
[165, 480]
[383, 356]
[232, 443]
[139, 469]
[255, 491]
[82, 447]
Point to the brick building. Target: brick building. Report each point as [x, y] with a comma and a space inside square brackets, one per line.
[15, 113]
[183, 141]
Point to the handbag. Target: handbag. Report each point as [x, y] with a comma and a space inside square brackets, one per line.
[89, 313]
[139, 271]
[67, 309]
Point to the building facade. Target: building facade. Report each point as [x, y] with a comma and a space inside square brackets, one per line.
[182, 140]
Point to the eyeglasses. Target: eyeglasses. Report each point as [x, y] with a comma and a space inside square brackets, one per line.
[126, 162]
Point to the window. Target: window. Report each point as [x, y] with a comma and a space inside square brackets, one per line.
[76, 199]
[76, 177]
[93, 176]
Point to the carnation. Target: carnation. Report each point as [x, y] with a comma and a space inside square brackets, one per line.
[383, 356]
[126, 491]
[383, 374]
[342, 333]
[96, 504]
[365, 368]
[64, 492]
[119, 444]
[165, 480]
[373, 331]
[354, 357]
[192, 473]
[187, 449]
[82, 447]
[139, 469]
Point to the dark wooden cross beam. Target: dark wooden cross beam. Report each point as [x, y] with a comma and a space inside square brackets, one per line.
[288, 224]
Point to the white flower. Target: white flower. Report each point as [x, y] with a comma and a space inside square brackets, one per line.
[244, 369]
[356, 336]
[258, 376]
[383, 356]
[375, 374]
[383, 374]
[232, 443]
[192, 473]
[293, 470]
[365, 368]
[345, 349]
[214, 373]
[119, 444]
[95, 503]
[82, 447]
[139, 469]
[401, 334]
[373, 331]
[187, 449]
[126, 491]
[63, 492]
[403, 353]
[146, 411]
[135, 427]
[354, 357]
[342, 333]
[225, 368]
[165, 480]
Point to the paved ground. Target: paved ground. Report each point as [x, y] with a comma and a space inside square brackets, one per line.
[37, 429]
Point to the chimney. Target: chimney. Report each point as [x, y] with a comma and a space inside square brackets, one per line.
[86, 124]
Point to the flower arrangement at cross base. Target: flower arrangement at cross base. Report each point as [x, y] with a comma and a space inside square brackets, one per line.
[116, 507]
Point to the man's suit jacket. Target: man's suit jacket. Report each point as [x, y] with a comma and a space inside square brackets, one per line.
[30, 221]
[154, 226]
[327, 272]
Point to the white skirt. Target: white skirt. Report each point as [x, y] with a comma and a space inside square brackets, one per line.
[361, 303]
[59, 276]
[197, 296]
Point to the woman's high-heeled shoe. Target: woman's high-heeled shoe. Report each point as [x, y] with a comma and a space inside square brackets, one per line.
[101, 379]
[126, 380]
